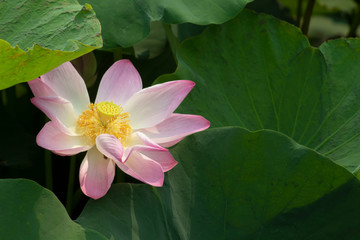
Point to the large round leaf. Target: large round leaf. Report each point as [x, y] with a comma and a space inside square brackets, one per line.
[29, 211]
[126, 22]
[234, 184]
[37, 36]
[261, 73]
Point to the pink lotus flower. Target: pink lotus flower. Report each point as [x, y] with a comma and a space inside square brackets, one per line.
[127, 125]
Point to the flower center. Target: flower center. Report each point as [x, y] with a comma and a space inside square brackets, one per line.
[104, 118]
[107, 111]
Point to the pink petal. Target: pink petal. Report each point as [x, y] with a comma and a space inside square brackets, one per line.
[148, 142]
[164, 158]
[40, 88]
[175, 128]
[140, 142]
[110, 146]
[96, 174]
[171, 143]
[71, 152]
[152, 105]
[51, 138]
[144, 169]
[119, 83]
[66, 82]
[59, 110]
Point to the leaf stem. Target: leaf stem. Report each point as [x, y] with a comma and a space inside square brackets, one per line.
[173, 41]
[70, 188]
[307, 16]
[299, 12]
[4, 98]
[355, 23]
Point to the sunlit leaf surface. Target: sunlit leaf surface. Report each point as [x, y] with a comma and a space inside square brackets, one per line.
[37, 36]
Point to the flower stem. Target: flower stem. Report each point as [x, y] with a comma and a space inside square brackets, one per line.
[78, 194]
[70, 188]
[118, 54]
[120, 176]
[48, 170]
[307, 17]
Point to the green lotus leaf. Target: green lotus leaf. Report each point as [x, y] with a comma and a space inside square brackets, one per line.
[258, 72]
[29, 211]
[229, 184]
[234, 184]
[37, 36]
[126, 22]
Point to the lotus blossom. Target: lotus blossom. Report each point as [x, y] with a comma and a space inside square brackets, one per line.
[126, 126]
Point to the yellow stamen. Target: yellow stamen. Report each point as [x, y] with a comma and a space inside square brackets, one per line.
[104, 118]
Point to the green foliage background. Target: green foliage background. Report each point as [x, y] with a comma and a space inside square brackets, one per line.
[279, 162]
